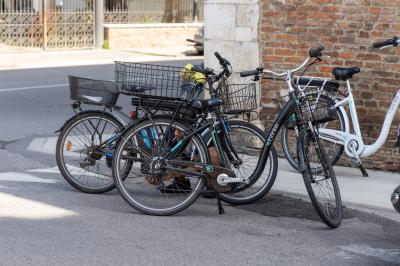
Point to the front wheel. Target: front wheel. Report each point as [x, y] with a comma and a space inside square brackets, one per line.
[322, 186]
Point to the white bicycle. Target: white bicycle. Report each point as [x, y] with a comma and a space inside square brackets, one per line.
[336, 135]
[352, 142]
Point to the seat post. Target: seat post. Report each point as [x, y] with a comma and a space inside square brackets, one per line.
[349, 90]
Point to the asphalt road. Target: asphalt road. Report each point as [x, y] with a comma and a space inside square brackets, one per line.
[44, 221]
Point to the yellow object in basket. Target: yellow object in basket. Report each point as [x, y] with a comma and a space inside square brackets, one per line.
[189, 74]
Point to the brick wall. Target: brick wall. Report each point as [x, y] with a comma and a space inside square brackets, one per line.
[347, 28]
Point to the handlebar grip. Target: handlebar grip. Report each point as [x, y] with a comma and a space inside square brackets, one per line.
[387, 42]
[249, 73]
[316, 52]
[219, 57]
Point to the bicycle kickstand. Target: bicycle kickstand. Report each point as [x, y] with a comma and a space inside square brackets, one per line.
[220, 208]
[355, 161]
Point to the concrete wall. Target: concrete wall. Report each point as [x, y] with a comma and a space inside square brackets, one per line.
[231, 27]
[127, 36]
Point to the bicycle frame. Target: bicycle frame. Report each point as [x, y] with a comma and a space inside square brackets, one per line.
[344, 138]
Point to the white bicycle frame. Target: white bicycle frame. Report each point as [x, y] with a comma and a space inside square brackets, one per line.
[347, 139]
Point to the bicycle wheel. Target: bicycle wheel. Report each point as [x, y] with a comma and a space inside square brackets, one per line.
[322, 187]
[84, 151]
[334, 151]
[248, 141]
[149, 188]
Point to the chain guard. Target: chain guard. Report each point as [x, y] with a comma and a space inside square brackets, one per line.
[212, 182]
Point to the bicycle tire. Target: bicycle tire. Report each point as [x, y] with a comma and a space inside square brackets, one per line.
[290, 155]
[258, 189]
[70, 175]
[124, 188]
[332, 218]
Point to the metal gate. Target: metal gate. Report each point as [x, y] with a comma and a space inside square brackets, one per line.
[47, 23]
[71, 23]
[153, 11]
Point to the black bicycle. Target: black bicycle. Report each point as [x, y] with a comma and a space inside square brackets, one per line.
[176, 151]
[87, 140]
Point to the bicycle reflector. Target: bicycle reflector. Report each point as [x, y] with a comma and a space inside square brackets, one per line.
[68, 146]
[133, 115]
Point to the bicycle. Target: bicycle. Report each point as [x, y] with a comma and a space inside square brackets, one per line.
[188, 156]
[353, 142]
[87, 140]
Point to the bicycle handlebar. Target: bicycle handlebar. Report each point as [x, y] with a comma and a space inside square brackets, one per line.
[389, 42]
[251, 72]
[313, 53]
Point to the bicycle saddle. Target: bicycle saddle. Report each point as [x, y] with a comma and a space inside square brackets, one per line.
[206, 104]
[344, 73]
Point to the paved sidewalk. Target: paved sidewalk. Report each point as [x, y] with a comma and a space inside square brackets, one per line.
[371, 194]
[41, 59]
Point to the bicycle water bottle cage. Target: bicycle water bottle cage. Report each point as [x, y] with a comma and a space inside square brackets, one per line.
[344, 73]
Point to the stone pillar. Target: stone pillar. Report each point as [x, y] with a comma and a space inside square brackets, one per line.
[232, 27]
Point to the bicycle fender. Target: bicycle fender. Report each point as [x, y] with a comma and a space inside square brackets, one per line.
[89, 111]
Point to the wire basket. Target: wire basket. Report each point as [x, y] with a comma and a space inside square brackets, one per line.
[90, 91]
[238, 98]
[327, 86]
[157, 80]
[314, 106]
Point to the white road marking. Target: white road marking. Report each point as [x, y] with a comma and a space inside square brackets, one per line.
[22, 177]
[17, 207]
[74, 170]
[53, 170]
[35, 87]
[43, 145]
[386, 255]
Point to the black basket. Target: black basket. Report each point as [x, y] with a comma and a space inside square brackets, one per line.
[160, 103]
[238, 98]
[156, 80]
[90, 91]
[313, 106]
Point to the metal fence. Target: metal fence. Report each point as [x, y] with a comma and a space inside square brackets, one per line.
[70, 23]
[153, 11]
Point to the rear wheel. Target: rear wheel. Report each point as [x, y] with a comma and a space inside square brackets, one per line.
[333, 150]
[248, 142]
[84, 151]
[150, 188]
[322, 187]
